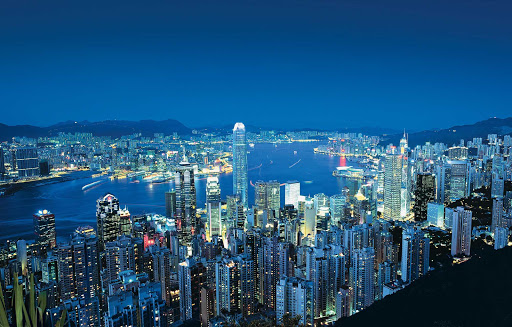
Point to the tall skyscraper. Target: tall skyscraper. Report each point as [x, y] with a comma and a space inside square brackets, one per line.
[240, 170]
[461, 231]
[125, 222]
[362, 278]
[170, 203]
[292, 193]
[212, 189]
[497, 214]
[235, 285]
[415, 254]
[392, 187]
[108, 220]
[337, 204]
[267, 196]
[185, 200]
[27, 162]
[425, 193]
[44, 229]
[295, 296]
[435, 214]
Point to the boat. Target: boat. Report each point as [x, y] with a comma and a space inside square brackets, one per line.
[85, 187]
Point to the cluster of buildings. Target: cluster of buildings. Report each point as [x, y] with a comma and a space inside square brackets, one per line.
[316, 257]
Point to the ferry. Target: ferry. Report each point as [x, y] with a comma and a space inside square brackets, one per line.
[85, 187]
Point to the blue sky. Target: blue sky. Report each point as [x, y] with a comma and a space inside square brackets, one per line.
[314, 63]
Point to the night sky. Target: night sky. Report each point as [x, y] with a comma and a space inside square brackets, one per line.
[316, 63]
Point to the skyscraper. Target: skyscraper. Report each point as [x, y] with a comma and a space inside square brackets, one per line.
[292, 193]
[362, 278]
[425, 193]
[267, 196]
[461, 231]
[296, 297]
[240, 181]
[435, 214]
[185, 200]
[170, 203]
[27, 162]
[44, 228]
[415, 254]
[497, 214]
[212, 189]
[108, 219]
[392, 187]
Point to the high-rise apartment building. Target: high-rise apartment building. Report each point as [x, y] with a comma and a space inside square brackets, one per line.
[461, 231]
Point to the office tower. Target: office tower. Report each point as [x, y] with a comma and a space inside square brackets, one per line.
[119, 257]
[415, 254]
[456, 180]
[267, 196]
[337, 206]
[500, 237]
[213, 211]
[425, 193]
[260, 195]
[170, 203]
[362, 278]
[191, 278]
[44, 229]
[235, 287]
[21, 256]
[309, 226]
[185, 200]
[295, 296]
[108, 220]
[240, 181]
[27, 162]
[85, 266]
[497, 186]
[292, 193]
[435, 214]
[392, 187]
[461, 231]
[212, 189]
[448, 217]
[497, 214]
[125, 223]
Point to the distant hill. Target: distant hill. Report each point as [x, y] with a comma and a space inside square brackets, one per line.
[475, 293]
[114, 128]
[454, 134]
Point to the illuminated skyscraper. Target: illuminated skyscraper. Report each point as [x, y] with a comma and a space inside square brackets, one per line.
[415, 254]
[108, 220]
[44, 228]
[170, 203]
[267, 196]
[27, 162]
[125, 222]
[392, 187]
[185, 200]
[296, 297]
[212, 189]
[240, 181]
[425, 193]
[461, 231]
[292, 193]
[362, 278]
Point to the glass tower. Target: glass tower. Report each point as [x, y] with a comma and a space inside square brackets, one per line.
[240, 182]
